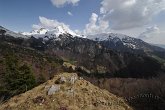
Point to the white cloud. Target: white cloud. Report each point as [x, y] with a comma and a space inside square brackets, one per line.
[154, 35]
[61, 3]
[69, 13]
[130, 17]
[156, 38]
[48, 23]
[125, 14]
[149, 32]
[34, 26]
[96, 25]
[91, 27]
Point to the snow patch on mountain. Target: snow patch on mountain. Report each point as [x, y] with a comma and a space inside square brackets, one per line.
[106, 36]
[133, 46]
[114, 37]
[51, 33]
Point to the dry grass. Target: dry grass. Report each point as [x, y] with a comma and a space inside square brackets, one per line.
[81, 95]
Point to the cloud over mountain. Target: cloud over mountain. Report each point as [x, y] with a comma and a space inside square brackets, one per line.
[125, 14]
[149, 30]
[96, 25]
[61, 3]
[48, 23]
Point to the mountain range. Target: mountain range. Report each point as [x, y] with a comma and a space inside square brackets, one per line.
[97, 58]
[106, 53]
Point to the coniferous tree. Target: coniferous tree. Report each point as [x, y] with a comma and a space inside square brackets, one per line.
[18, 78]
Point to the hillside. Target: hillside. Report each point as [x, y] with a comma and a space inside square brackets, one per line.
[66, 91]
[16, 62]
[124, 73]
[102, 56]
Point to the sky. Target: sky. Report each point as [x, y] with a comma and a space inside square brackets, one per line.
[144, 19]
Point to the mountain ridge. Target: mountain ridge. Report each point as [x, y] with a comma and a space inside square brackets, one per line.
[66, 91]
[46, 34]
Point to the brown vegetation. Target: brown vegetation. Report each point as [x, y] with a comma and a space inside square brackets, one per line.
[80, 95]
[140, 93]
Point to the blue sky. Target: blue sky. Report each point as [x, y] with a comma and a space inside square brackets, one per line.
[144, 19]
[19, 15]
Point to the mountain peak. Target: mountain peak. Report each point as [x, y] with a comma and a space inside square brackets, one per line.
[54, 32]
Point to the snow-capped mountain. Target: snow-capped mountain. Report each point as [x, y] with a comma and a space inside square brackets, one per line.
[35, 32]
[123, 42]
[51, 33]
[119, 42]
[107, 36]
[117, 39]
[110, 51]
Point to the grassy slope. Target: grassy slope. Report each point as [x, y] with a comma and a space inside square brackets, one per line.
[85, 96]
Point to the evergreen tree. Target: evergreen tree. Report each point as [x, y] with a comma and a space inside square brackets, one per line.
[18, 78]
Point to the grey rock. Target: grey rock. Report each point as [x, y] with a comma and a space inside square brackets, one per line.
[73, 79]
[53, 89]
[63, 79]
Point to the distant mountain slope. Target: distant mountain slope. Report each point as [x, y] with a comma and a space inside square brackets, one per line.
[66, 91]
[108, 58]
[11, 33]
[125, 43]
[115, 41]
[159, 45]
